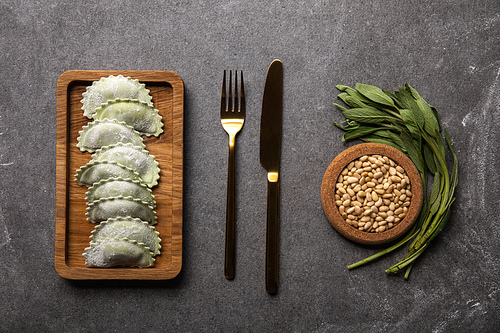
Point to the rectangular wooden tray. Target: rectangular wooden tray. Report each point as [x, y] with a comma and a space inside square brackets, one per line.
[72, 229]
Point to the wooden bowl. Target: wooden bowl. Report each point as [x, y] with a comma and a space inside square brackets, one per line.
[328, 194]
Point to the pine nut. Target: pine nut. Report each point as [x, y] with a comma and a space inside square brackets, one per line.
[351, 180]
[365, 219]
[373, 193]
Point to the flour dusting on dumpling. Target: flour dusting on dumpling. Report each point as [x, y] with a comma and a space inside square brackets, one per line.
[112, 87]
[105, 208]
[143, 117]
[120, 187]
[105, 132]
[131, 228]
[136, 158]
[118, 252]
[95, 171]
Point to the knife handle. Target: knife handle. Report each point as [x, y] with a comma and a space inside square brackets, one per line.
[230, 249]
[272, 234]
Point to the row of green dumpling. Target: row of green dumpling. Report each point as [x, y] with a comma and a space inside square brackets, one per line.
[121, 173]
[124, 211]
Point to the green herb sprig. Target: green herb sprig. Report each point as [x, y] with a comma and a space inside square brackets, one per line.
[406, 122]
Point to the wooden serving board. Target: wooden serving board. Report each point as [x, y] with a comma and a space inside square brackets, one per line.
[72, 229]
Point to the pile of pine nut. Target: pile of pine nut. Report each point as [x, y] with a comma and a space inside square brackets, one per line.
[373, 193]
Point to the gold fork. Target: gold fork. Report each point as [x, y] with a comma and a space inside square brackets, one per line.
[232, 119]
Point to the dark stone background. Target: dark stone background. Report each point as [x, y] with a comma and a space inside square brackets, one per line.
[447, 50]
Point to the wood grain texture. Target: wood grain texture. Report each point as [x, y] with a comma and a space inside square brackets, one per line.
[72, 229]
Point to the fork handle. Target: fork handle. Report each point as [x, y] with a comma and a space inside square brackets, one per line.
[229, 261]
[272, 234]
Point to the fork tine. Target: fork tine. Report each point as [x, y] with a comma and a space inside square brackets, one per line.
[242, 95]
[230, 99]
[223, 95]
[236, 97]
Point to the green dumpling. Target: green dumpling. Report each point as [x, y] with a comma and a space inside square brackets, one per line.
[112, 87]
[103, 209]
[120, 187]
[143, 117]
[118, 252]
[105, 132]
[128, 227]
[136, 158]
[95, 171]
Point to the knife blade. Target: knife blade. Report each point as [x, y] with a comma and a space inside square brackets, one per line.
[270, 148]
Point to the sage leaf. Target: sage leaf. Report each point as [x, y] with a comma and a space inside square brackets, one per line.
[353, 93]
[410, 104]
[454, 173]
[429, 159]
[379, 139]
[396, 138]
[340, 107]
[413, 152]
[358, 132]
[410, 122]
[431, 122]
[351, 101]
[375, 94]
[435, 199]
[367, 116]
[436, 114]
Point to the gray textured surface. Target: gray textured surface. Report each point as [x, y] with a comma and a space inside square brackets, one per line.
[447, 50]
